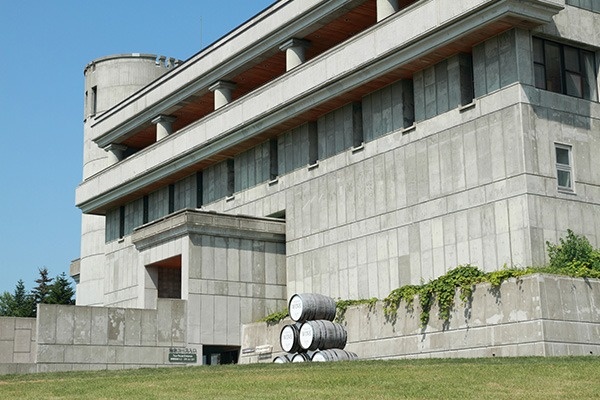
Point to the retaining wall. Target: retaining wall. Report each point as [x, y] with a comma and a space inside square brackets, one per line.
[538, 315]
[17, 345]
[85, 338]
[75, 338]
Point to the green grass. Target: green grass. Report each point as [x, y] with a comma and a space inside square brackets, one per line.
[495, 378]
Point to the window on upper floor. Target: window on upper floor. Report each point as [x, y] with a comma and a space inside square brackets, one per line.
[121, 222]
[564, 167]
[564, 69]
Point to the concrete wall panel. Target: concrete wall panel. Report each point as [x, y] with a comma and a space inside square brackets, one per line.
[18, 338]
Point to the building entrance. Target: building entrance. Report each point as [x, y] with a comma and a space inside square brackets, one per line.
[219, 355]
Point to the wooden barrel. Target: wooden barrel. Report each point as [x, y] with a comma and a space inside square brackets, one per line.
[281, 359]
[322, 335]
[301, 357]
[289, 338]
[333, 355]
[311, 306]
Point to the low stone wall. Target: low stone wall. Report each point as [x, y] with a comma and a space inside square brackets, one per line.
[17, 345]
[538, 315]
[85, 338]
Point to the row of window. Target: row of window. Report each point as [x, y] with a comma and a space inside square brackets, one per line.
[140, 212]
[558, 67]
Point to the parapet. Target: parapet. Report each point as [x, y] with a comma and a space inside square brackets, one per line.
[111, 79]
[159, 60]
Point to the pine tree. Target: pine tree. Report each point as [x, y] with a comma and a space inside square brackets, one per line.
[24, 302]
[61, 291]
[18, 304]
[7, 304]
[40, 292]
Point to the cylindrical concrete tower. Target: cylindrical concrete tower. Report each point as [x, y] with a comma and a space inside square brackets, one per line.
[108, 81]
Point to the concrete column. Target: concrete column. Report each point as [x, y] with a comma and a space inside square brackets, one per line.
[385, 8]
[295, 52]
[223, 92]
[116, 152]
[164, 126]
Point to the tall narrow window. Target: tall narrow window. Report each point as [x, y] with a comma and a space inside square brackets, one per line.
[146, 207]
[564, 169]
[313, 143]
[273, 159]
[171, 199]
[94, 101]
[121, 222]
[564, 69]
[358, 134]
[230, 177]
[199, 189]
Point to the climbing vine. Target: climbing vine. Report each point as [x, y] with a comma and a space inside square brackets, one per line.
[442, 290]
[275, 317]
[342, 306]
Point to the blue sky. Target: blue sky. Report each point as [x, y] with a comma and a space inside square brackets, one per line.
[44, 46]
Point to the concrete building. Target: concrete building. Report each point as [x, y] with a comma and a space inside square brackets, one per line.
[344, 147]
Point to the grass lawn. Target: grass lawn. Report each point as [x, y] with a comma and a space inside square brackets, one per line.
[493, 378]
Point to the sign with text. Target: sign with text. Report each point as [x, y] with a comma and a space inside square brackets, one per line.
[183, 355]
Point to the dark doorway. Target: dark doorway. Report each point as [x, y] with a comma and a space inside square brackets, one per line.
[219, 355]
[166, 276]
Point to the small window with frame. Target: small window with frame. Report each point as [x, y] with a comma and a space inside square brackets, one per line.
[564, 167]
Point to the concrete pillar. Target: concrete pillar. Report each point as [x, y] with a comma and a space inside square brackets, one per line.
[294, 52]
[223, 92]
[164, 126]
[116, 152]
[385, 8]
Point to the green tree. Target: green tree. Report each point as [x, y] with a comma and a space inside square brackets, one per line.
[7, 304]
[18, 304]
[61, 291]
[40, 292]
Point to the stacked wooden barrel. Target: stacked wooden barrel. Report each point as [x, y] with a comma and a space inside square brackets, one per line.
[313, 336]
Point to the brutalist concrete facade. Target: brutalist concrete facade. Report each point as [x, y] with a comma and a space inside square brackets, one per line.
[367, 144]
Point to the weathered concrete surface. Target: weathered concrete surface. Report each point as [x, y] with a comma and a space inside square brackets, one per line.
[538, 315]
[17, 340]
[91, 338]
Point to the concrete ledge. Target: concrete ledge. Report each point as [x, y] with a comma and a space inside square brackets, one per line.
[186, 222]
